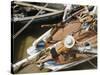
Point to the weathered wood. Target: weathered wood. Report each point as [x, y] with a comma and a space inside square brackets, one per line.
[39, 16]
[35, 6]
[42, 16]
[72, 64]
[27, 24]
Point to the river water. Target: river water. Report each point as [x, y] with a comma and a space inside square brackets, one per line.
[24, 41]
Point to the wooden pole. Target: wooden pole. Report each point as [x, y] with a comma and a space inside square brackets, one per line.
[35, 6]
[27, 24]
[39, 16]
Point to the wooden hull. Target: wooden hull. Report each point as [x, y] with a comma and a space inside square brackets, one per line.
[73, 26]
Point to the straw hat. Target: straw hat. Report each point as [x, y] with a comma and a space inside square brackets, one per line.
[69, 41]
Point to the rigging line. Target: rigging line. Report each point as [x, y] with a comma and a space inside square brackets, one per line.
[90, 62]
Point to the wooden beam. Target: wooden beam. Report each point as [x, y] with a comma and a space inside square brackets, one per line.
[27, 24]
[35, 6]
[38, 16]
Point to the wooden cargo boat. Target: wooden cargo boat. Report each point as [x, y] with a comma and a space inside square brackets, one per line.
[82, 49]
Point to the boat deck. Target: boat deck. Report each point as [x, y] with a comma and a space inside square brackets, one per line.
[60, 35]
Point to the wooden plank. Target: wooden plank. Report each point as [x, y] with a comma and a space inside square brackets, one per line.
[74, 63]
[35, 6]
